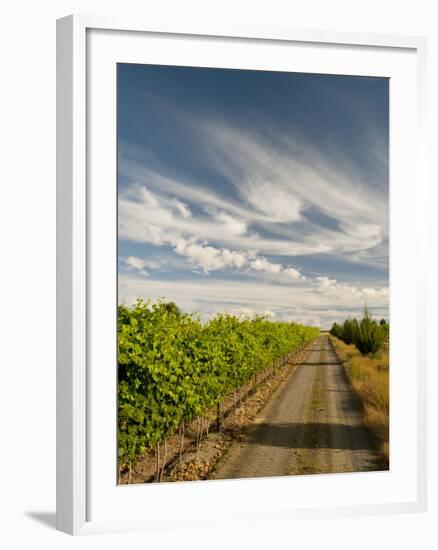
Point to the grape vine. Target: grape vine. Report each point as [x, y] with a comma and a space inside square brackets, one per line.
[172, 368]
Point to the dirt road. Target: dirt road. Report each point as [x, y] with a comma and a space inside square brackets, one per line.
[311, 424]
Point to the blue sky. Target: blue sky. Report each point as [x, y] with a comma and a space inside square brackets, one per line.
[253, 191]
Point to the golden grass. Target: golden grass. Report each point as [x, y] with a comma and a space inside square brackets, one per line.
[369, 376]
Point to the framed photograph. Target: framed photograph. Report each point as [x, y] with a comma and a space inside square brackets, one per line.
[241, 275]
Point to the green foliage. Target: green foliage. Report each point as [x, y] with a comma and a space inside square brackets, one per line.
[366, 334]
[172, 368]
[385, 328]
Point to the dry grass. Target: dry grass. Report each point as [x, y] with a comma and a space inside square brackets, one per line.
[369, 376]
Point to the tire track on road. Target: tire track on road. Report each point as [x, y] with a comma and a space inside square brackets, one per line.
[311, 424]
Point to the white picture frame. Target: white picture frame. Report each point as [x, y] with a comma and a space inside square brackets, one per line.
[75, 333]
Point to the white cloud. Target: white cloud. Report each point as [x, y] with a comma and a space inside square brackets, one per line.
[277, 203]
[363, 231]
[153, 264]
[182, 208]
[376, 292]
[233, 226]
[335, 289]
[135, 263]
[209, 258]
[290, 200]
[293, 175]
[147, 216]
[262, 264]
[326, 282]
[274, 206]
[297, 167]
[303, 303]
[294, 273]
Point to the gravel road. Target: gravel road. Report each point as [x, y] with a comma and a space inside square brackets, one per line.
[311, 424]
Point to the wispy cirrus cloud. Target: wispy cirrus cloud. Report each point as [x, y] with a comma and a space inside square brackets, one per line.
[188, 222]
[254, 202]
[159, 221]
[276, 186]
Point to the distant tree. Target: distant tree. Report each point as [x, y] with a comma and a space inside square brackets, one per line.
[336, 330]
[349, 331]
[370, 335]
[366, 334]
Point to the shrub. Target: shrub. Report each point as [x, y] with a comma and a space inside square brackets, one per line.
[367, 335]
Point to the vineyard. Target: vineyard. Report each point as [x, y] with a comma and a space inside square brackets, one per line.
[172, 368]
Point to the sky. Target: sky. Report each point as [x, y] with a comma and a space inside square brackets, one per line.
[253, 192]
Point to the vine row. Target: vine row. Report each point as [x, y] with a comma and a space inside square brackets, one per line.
[172, 368]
